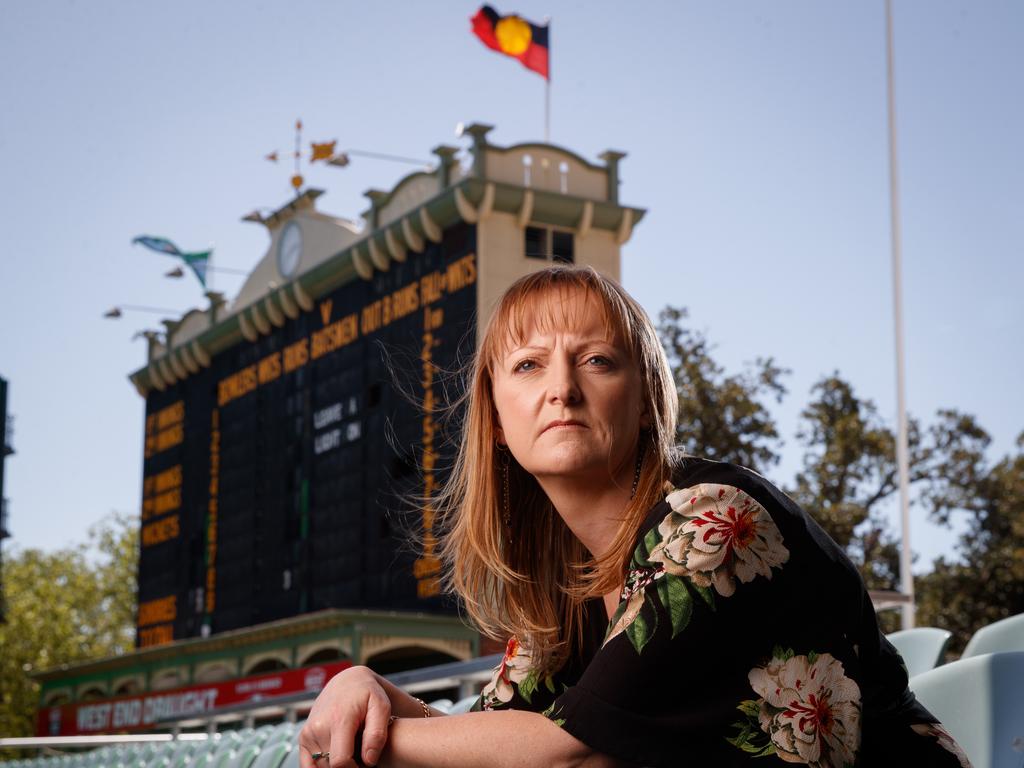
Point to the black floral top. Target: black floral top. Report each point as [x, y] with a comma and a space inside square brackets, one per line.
[743, 632]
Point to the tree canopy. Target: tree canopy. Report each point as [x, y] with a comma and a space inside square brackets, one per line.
[64, 606]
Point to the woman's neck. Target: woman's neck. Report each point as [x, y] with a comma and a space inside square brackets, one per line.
[592, 511]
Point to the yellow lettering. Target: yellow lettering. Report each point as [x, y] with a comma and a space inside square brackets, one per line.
[156, 635]
[269, 368]
[160, 609]
[160, 531]
[296, 355]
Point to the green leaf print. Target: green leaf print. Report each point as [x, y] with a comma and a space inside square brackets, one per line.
[644, 549]
[706, 594]
[750, 737]
[639, 633]
[529, 685]
[677, 601]
[552, 712]
[782, 654]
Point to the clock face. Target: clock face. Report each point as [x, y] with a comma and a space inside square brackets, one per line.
[289, 250]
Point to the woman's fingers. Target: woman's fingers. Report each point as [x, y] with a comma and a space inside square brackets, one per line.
[343, 739]
[375, 728]
[309, 743]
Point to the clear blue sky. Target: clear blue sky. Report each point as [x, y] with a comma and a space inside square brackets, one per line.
[756, 134]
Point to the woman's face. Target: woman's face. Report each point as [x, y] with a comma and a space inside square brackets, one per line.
[569, 399]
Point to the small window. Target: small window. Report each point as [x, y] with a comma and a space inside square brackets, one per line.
[536, 246]
[549, 244]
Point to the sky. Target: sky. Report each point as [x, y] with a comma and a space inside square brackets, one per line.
[756, 139]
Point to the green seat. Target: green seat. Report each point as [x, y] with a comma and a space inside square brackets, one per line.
[463, 705]
[922, 648]
[273, 754]
[980, 701]
[1003, 635]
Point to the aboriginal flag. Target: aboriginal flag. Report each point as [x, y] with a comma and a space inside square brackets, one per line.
[514, 36]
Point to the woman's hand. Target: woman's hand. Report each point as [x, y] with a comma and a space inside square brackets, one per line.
[353, 704]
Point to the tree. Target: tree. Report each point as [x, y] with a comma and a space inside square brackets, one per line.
[722, 417]
[987, 584]
[65, 606]
[849, 471]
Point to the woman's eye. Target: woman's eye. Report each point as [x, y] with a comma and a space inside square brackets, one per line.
[524, 365]
[598, 360]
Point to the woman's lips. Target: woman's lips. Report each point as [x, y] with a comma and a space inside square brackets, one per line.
[563, 425]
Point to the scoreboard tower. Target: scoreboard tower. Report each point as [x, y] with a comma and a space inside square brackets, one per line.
[295, 435]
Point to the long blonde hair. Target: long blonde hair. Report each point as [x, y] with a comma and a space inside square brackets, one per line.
[531, 582]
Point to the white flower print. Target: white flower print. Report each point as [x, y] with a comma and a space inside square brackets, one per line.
[513, 669]
[716, 534]
[809, 709]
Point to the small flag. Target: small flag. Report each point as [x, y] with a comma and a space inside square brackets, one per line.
[198, 261]
[514, 36]
[322, 151]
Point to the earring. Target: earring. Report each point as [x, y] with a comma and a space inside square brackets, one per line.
[506, 510]
[639, 465]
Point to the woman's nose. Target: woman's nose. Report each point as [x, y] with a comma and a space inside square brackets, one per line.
[562, 386]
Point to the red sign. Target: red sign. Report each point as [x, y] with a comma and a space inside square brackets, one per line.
[129, 713]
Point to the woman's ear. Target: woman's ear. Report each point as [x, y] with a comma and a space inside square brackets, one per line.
[645, 418]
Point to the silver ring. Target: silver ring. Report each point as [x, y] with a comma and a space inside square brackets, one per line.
[320, 755]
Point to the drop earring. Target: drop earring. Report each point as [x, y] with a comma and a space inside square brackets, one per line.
[639, 465]
[506, 510]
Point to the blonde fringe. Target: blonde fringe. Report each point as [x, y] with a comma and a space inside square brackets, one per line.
[532, 584]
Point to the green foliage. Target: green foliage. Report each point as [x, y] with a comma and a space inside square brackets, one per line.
[988, 583]
[64, 607]
[849, 482]
[722, 417]
[849, 477]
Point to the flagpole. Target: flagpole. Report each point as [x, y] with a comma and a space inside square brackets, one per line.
[547, 88]
[902, 459]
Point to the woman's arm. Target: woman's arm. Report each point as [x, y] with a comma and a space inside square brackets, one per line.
[354, 708]
[496, 739]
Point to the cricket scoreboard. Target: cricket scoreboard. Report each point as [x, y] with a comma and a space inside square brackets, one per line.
[295, 472]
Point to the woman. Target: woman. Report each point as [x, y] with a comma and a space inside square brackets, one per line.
[663, 610]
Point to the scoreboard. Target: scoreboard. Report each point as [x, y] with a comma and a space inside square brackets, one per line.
[290, 475]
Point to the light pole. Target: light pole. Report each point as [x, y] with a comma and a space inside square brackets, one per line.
[902, 459]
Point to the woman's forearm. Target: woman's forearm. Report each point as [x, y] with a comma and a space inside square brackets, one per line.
[404, 704]
[495, 739]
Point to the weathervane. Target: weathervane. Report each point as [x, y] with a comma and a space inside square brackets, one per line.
[323, 150]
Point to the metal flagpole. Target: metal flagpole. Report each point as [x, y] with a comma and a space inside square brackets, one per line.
[902, 461]
[547, 88]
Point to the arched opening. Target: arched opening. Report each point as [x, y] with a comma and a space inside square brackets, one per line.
[323, 656]
[414, 657]
[214, 673]
[93, 693]
[58, 699]
[127, 688]
[266, 666]
[164, 680]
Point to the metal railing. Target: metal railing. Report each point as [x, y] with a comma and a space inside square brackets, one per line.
[466, 676]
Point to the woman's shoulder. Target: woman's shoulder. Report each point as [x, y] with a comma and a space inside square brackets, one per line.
[693, 471]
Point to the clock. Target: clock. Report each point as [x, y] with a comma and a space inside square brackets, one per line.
[289, 250]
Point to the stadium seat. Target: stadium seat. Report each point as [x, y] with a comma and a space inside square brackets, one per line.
[463, 705]
[922, 648]
[272, 755]
[1004, 635]
[980, 701]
